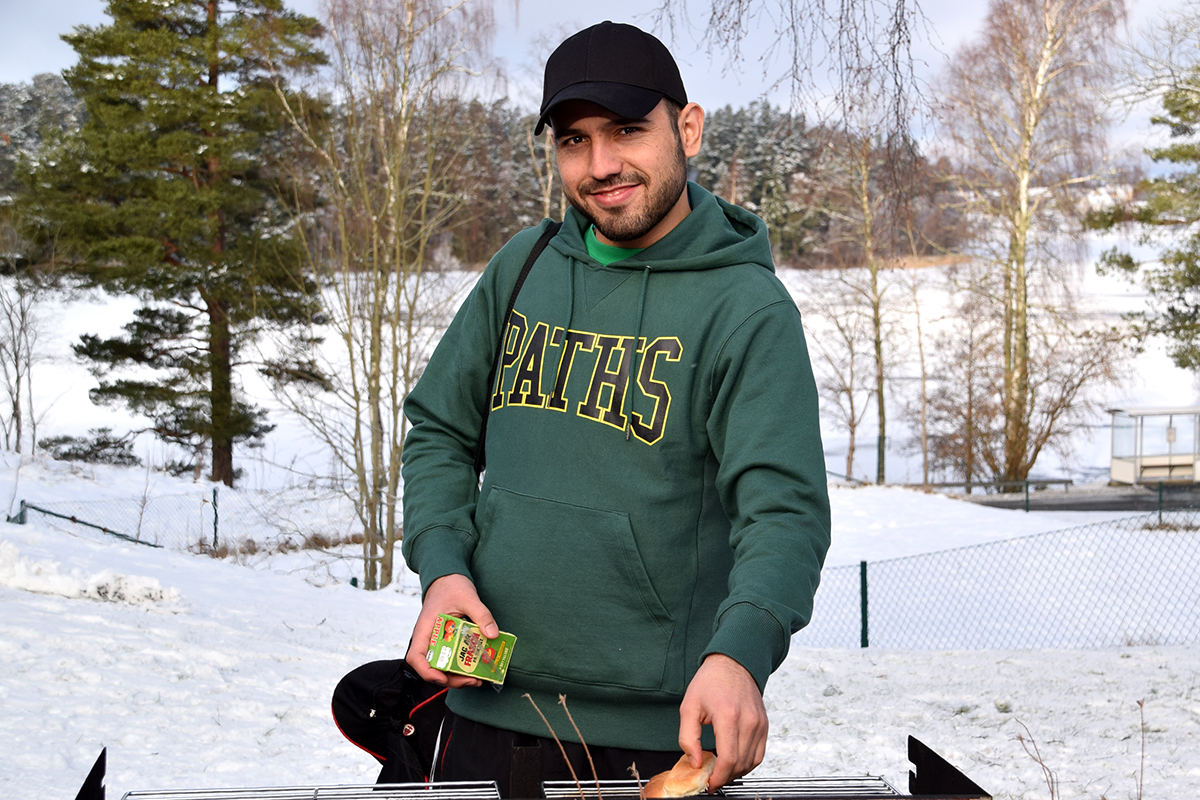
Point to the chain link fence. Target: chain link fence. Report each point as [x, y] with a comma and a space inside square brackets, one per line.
[1134, 581]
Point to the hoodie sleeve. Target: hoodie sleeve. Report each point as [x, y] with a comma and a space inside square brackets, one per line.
[766, 437]
[445, 412]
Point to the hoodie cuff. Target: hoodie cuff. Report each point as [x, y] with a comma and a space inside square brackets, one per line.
[438, 552]
[753, 638]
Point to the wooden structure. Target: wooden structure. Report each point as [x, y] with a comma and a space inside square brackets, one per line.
[1155, 443]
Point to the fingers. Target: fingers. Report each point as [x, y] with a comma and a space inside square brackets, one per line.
[723, 694]
[454, 595]
[741, 745]
[416, 658]
[726, 768]
[690, 725]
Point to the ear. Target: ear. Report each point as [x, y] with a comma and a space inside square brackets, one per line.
[691, 128]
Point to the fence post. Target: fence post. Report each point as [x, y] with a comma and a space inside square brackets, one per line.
[215, 526]
[1160, 494]
[1026, 495]
[862, 582]
[20, 517]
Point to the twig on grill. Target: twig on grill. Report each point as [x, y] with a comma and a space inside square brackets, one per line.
[633, 771]
[561, 749]
[1034, 753]
[1142, 769]
[562, 701]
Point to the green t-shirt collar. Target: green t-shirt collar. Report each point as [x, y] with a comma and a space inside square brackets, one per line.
[606, 253]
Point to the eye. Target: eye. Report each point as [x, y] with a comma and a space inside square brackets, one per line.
[570, 141]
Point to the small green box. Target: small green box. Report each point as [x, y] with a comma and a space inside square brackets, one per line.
[457, 645]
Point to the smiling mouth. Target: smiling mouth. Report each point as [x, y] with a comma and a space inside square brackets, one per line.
[615, 195]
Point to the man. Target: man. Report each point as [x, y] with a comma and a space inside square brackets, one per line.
[653, 517]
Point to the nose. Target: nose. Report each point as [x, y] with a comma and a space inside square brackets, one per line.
[605, 161]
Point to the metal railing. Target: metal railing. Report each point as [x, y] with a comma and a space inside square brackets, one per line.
[207, 520]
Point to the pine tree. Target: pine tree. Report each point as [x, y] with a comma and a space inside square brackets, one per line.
[28, 113]
[166, 192]
[760, 157]
[1172, 203]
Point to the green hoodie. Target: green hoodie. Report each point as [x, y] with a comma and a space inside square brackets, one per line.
[625, 528]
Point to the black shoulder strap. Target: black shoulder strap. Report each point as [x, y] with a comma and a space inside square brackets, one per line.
[538, 247]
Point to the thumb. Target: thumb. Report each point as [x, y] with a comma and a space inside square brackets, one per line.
[482, 617]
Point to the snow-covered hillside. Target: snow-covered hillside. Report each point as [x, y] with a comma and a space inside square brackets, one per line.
[197, 672]
[202, 672]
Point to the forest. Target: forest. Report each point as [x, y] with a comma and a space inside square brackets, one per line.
[250, 174]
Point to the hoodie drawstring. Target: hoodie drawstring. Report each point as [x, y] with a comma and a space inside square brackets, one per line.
[570, 312]
[634, 364]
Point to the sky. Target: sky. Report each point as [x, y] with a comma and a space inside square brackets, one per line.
[30, 44]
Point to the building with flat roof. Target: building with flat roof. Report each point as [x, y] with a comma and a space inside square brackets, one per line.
[1155, 443]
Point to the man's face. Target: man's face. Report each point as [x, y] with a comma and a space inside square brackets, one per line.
[627, 177]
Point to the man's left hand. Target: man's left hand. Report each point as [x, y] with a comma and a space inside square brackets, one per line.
[723, 694]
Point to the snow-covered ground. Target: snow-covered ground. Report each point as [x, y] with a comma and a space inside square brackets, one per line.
[197, 672]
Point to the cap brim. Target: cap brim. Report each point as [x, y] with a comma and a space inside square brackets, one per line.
[630, 102]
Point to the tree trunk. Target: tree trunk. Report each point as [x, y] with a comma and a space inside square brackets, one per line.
[374, 378]
[876, 301]
[850, 455]
[221, 392]
[1016, 355]
[881, 442]
[219, 349]
[969, 439]
[924, 384]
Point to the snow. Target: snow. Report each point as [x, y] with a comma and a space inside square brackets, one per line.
[202, 672]
[873, 523]
[197, 672]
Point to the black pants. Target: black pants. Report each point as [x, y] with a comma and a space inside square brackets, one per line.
[518, 762]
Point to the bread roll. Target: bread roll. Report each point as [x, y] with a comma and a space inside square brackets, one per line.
[682, 780]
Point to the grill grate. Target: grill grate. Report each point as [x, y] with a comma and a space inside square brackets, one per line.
[746, 789]
[393, 791]
[858, 786]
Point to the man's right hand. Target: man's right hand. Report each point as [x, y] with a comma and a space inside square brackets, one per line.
[454, 595]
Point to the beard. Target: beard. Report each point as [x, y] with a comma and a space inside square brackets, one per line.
[628, 224]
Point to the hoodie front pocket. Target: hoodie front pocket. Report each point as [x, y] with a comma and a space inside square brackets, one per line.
[570, 583]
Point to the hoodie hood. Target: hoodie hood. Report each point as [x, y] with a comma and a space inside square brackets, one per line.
[712, 235]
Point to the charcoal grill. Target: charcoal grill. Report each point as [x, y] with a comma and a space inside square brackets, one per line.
[932, 777]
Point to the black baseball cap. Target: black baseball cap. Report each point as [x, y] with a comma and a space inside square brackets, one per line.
[616, 66]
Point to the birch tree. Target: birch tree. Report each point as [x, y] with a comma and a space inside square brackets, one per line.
[1024, 122]
[861, 201]
[841, 354]
[818, 48]
[385, 168]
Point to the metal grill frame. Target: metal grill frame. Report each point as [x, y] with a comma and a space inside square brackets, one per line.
[376, 791]
[933, 777]
[866, 786]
